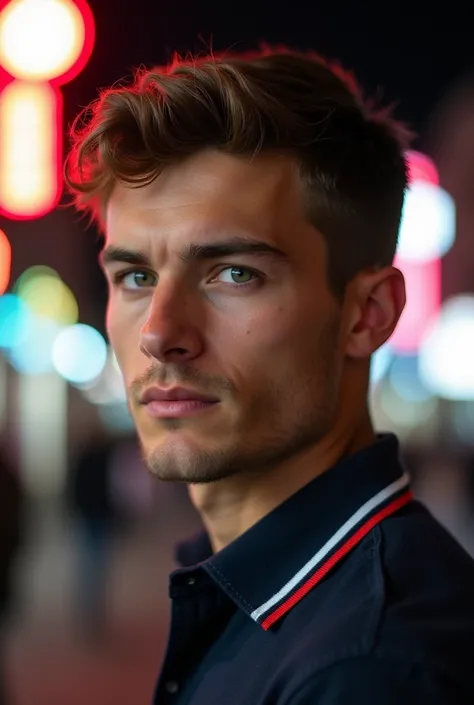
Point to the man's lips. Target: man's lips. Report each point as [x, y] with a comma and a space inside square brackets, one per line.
[176, 402]
[170, 394]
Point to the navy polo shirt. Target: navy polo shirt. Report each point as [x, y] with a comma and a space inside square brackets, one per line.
[348, 593]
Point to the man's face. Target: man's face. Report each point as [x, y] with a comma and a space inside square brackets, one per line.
[218, 287]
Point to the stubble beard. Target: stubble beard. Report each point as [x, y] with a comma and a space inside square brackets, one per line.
[202, 466]
[291, 422]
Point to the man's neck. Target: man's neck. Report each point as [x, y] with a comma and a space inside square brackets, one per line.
[230, 507]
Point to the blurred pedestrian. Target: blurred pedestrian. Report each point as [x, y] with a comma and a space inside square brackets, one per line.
[92, 506]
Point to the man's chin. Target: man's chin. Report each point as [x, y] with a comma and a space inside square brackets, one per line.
[180, 460]
[191, 474]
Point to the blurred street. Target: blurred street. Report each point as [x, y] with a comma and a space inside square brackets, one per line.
[54, 661]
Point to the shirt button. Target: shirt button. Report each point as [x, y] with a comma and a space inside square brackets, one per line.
[191, 581]
[171, 687]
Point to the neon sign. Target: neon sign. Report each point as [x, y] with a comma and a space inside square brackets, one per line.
[43, 44]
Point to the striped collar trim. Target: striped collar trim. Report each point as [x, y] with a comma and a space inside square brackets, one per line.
[380, 506]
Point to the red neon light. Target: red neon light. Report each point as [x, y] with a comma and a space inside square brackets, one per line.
[83, 57]
[87, 47]
[10, 201]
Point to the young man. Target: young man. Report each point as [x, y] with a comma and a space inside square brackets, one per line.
[250, 207]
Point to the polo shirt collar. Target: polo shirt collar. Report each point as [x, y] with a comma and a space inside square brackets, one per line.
[267, 570]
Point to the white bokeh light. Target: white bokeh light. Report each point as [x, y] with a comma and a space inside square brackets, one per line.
[33, 355]
[428, 223]
[40, 39]
[109, 387]
[79, 353]
[446, 356]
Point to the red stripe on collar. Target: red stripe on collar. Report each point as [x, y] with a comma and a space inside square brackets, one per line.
[337, 556]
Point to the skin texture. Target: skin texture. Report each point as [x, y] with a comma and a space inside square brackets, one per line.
[259, 331]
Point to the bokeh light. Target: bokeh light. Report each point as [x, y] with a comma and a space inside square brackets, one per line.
[79, 353]
[32, 273]
[49, 297]
[405, 379]
[30, 114]
[408, 415]
[5, 262]
[46, 295]
[380, 363]
[109, 387]
[15, 321]
[40, 39]
[447, 353]
[421, 168]
[428, 223]
[423, 291]
[33, 355]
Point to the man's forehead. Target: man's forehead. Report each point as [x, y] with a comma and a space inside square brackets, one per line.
[208, 183]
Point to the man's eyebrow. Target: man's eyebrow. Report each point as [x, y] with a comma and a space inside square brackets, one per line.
[113, 254]
[234, 246]
[196, 252]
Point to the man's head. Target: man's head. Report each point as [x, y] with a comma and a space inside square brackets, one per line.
[250, 207]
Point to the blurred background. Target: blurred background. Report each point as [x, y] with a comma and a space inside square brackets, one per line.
[85, 536]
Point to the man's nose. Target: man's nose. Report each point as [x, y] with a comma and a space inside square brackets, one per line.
[172, 332]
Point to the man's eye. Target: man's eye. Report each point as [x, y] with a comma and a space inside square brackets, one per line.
[236, 275]
[137, 279]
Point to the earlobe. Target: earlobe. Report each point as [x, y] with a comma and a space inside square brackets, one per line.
[381, 300]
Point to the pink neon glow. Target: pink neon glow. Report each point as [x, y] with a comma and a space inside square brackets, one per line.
[423, 284]
[421, 168]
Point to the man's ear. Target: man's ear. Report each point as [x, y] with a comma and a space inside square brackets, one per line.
[378, 301]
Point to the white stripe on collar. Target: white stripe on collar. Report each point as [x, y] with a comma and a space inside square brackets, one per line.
[365, 510]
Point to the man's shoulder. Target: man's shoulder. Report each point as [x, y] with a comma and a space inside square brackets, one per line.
[429, 586]
[381, 680]
[414, 531]
[423, 564]
[405, 594]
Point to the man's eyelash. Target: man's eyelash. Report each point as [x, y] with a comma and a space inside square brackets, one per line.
[118, 277]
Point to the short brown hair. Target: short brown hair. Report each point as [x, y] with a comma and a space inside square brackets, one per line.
[351, 155]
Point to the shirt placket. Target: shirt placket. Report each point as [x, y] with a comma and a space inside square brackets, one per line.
[194, 612]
